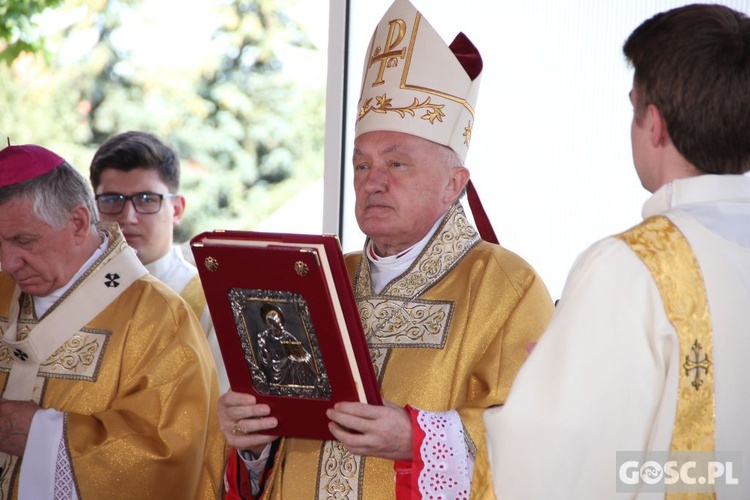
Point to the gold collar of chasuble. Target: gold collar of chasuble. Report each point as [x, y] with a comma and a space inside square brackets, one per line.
[669, 258]
[396, 317]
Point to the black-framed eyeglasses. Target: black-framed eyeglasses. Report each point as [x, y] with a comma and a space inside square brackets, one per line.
[143, 203]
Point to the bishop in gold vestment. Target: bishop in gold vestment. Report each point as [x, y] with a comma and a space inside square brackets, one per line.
[443, 342]
[449, 316]
[107, 386]
[136, 389]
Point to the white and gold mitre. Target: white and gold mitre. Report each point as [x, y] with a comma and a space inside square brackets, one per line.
[414, 83]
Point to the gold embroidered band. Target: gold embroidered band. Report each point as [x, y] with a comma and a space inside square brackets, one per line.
[667, 254]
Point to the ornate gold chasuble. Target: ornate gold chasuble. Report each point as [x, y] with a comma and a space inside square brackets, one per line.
[129, 384]
[448, 334]
[669, 258]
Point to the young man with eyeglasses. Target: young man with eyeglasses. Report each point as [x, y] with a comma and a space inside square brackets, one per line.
[136, 179]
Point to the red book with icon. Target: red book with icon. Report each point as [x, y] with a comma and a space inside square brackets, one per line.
[287, 324]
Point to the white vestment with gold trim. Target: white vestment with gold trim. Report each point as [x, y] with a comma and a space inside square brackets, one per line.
[604, 377]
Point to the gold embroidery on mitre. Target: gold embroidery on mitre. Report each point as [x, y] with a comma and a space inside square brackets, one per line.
[467, 134]
[387, 57]
[667, 254]
[383, 105]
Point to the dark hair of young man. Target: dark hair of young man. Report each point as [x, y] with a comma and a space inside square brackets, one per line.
[131, 150]
[693, 64]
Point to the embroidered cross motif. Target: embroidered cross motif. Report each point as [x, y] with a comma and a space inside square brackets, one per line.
[112, 280]
[697, 364]
[20, 355]
[390, 55]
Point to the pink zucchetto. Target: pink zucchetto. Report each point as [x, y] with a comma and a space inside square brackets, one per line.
[21, 163]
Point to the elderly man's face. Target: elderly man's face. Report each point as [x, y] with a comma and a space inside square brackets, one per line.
[403, 186]
[37, 255]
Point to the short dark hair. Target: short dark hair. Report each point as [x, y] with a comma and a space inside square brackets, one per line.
[693, 64]
[131, 150]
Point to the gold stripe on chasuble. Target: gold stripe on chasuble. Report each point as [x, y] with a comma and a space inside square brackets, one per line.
[669, 258]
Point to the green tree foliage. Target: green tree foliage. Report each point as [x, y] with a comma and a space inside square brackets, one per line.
[18, 31]
[248, 133]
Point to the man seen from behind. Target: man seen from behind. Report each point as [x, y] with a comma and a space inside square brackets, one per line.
[646, 353]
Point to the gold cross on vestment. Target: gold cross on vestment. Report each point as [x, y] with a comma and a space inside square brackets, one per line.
[697, 364]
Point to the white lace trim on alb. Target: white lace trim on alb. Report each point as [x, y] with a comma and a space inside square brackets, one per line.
[448, 464]
[64, 486]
